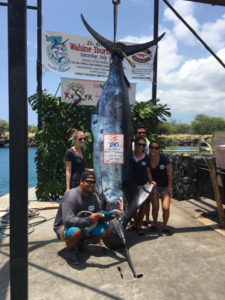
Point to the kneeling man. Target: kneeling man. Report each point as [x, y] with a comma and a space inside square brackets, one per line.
[78, 216]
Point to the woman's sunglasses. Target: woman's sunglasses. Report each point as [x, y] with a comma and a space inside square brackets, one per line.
[152, 147]
[141, 145]
[83, 138]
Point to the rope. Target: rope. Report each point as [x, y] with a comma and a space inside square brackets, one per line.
[32, 214]
[115, 3]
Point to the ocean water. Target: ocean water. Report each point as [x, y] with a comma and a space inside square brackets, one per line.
[4, 169]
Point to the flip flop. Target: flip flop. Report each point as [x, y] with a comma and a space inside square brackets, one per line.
[147, 223]
[167, 232]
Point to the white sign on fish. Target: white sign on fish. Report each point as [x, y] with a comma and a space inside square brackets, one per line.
[85, 57]
[113, 149]
[87, 92]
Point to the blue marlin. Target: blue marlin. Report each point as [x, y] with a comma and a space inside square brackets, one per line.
[113, 116]
[114, 182]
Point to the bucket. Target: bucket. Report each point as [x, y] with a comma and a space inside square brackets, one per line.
[220, 156]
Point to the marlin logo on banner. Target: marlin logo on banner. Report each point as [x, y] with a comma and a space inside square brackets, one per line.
[57, 53]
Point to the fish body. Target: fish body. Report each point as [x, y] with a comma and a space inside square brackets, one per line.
[113, 116]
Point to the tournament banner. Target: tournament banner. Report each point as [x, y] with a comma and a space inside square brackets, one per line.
[85, 57]
[87, 92]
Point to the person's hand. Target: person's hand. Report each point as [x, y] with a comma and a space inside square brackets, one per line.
[170, 190]
[94, 217]
[154, 183]
[118, 214]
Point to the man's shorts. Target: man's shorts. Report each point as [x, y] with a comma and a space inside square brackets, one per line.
[98, 229]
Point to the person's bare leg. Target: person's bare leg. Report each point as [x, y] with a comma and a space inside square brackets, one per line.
[165, 208]
[147, 212]
[72, 241]
[155, 207]
[141, 214]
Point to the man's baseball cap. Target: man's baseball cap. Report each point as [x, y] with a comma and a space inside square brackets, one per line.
[87, 174]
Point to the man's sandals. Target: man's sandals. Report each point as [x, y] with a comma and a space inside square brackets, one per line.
[140, 231]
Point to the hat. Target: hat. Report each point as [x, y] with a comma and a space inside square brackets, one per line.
[87, 174]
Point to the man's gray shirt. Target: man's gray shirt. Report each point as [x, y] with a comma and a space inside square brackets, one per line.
[71, 204]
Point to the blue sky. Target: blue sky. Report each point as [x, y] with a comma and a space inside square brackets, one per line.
[190, 80]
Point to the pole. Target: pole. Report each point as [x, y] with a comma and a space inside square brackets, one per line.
[17, 63]
[156, 21]
[39, 57]
[195, 34]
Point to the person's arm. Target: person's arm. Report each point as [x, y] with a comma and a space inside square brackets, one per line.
[91, 170]
[69, 211]
[68, 174]
[170, 178]
[149, 174]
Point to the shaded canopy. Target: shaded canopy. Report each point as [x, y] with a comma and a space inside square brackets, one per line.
[213, 2]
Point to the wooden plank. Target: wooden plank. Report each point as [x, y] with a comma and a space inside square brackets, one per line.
[212, 171]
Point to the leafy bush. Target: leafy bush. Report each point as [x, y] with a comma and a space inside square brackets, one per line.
[57, 121]
[150, 114]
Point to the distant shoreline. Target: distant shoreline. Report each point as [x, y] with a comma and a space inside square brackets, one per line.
[173, 139]
[4, 142]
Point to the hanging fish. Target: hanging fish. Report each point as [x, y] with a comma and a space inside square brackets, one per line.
[114, 182]
[113, 116]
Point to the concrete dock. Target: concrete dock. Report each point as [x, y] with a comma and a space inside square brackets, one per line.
[190, 264]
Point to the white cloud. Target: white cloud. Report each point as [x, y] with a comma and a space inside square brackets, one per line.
[138, 40]
[188, 85]
[214, 33]
[197, 87]
[185, 10]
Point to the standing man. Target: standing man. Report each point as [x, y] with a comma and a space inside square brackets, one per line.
[78, 217]
[141, 132]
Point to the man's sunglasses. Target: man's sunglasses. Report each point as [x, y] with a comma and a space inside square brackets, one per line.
[141, 145]
[141, 132]
[152, 147]
[90, 181]
[83, 138]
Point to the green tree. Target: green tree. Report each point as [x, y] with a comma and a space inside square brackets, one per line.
[203, 124]
[165, 127]
[150, 114]
[58, 119]
[32, 129]
[182, 128]
[4, 126]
